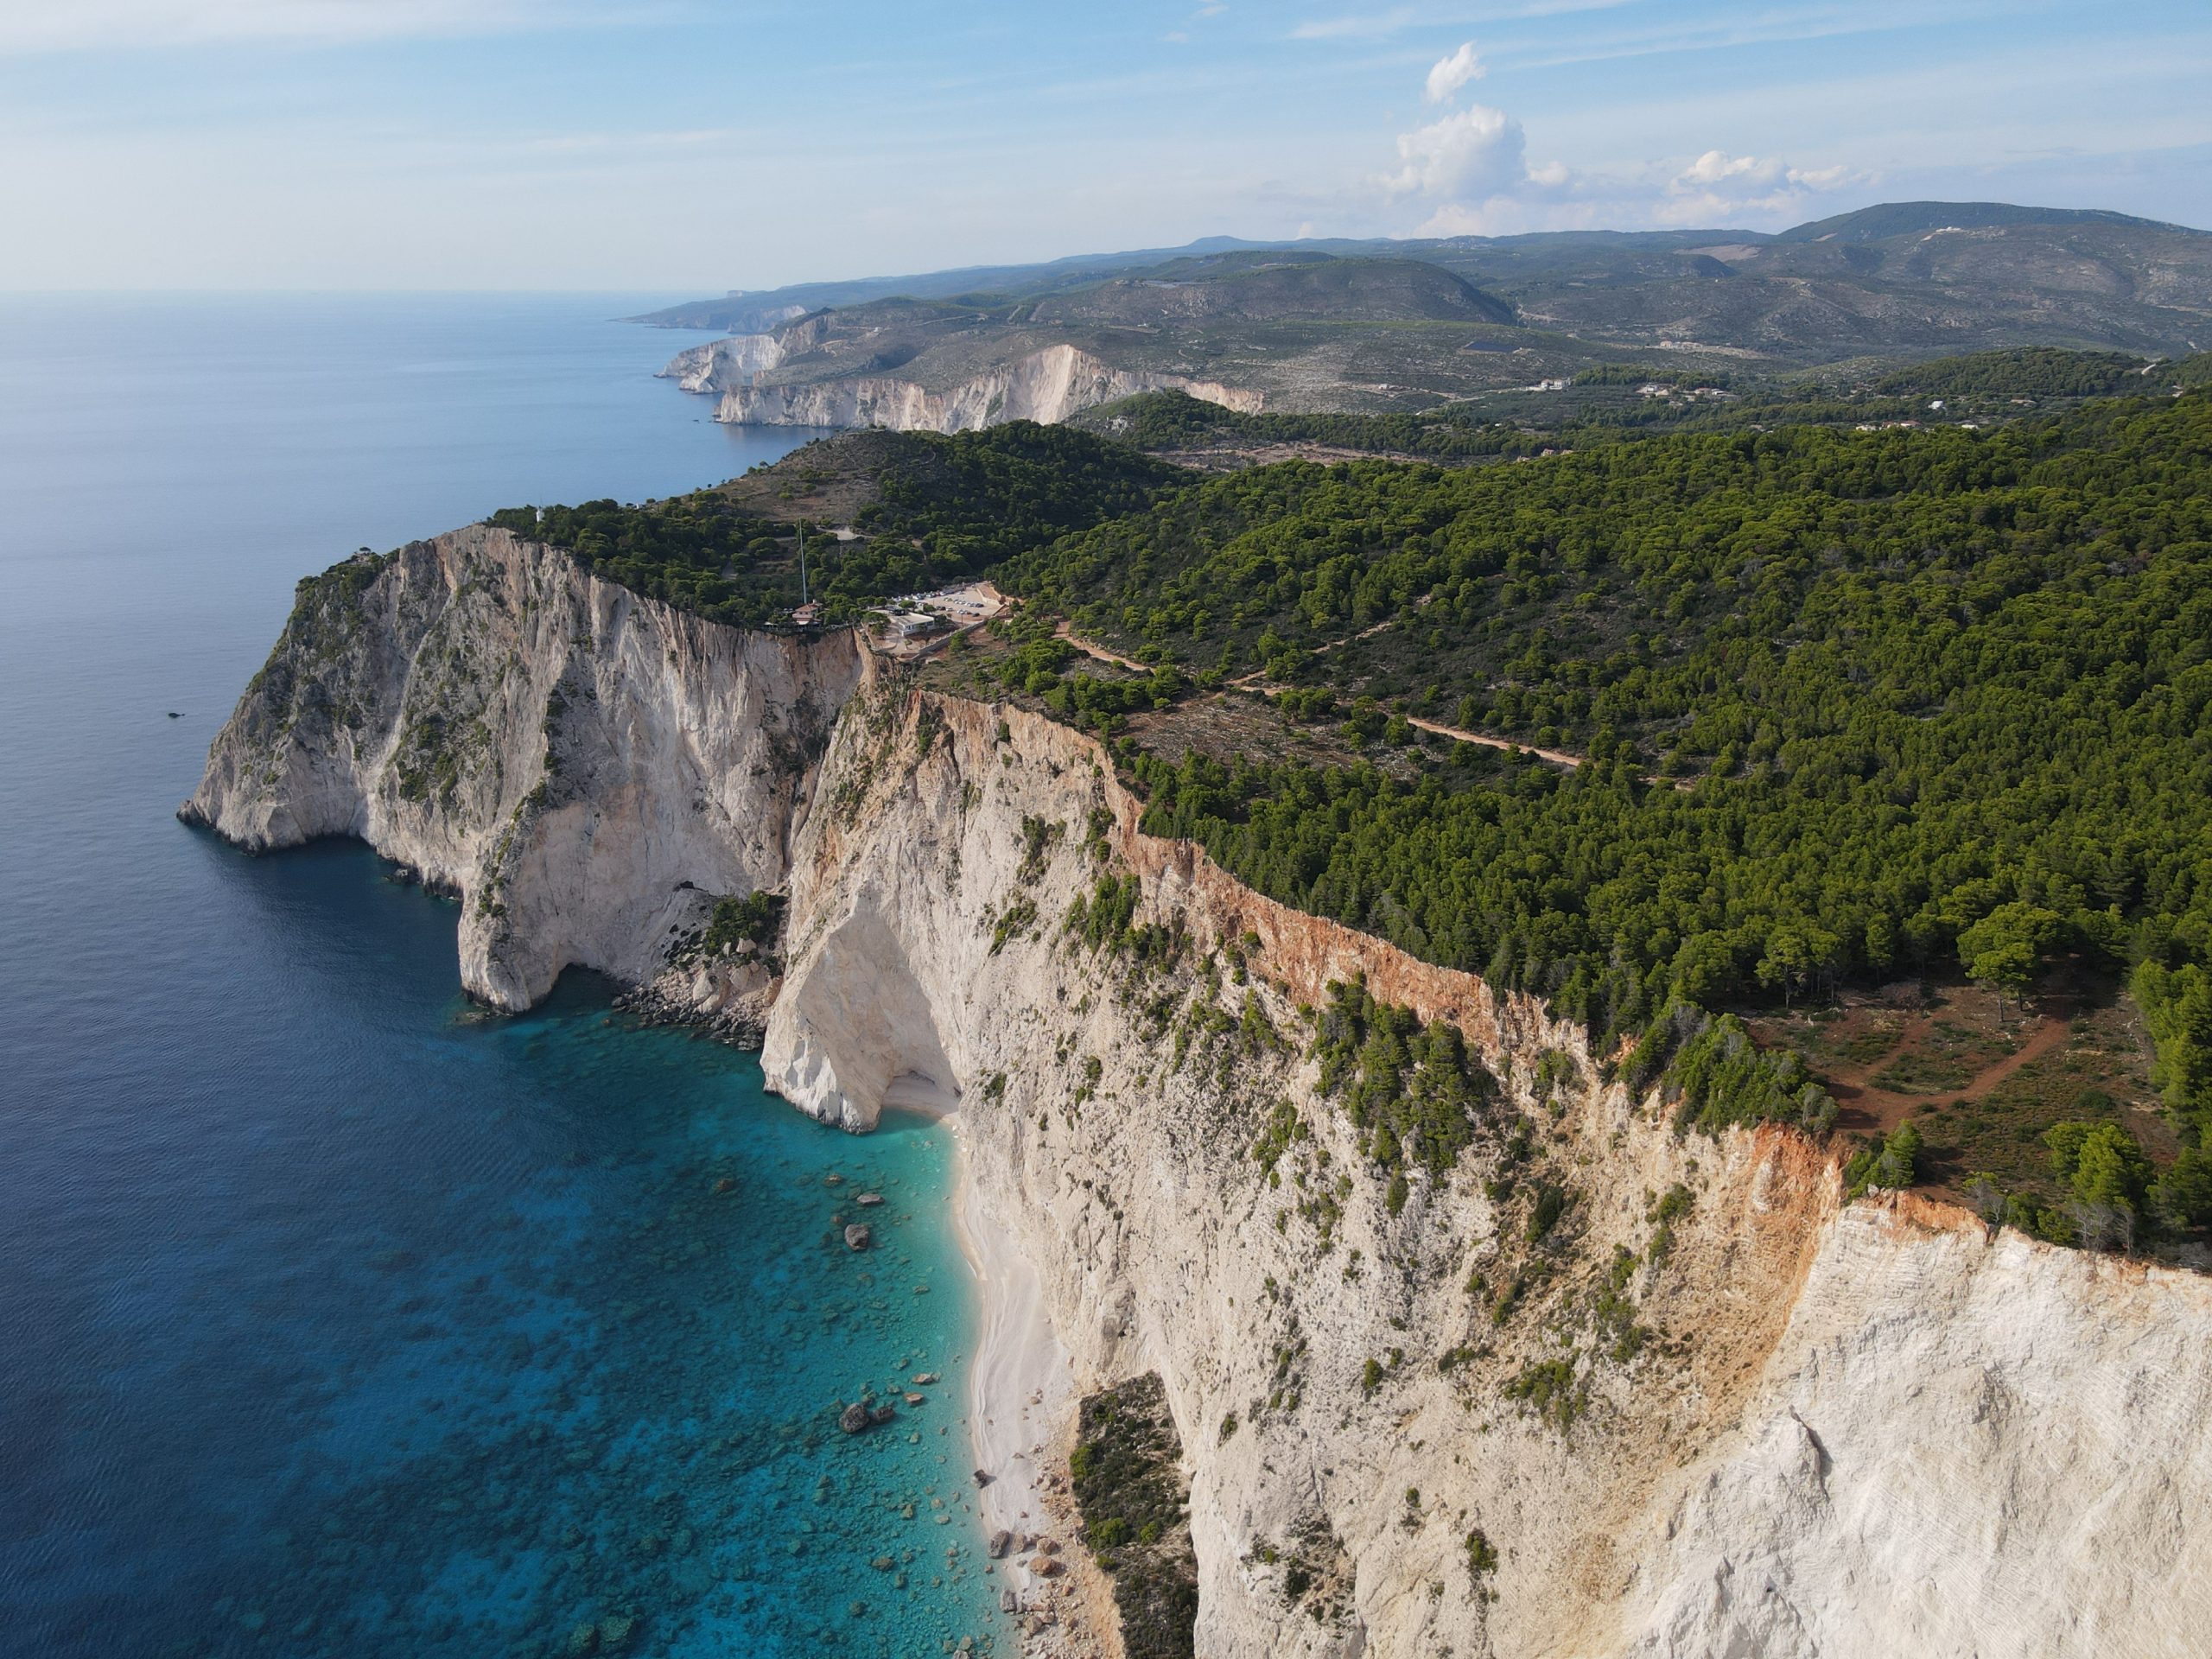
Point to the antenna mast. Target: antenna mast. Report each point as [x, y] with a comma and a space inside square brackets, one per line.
[802, 565]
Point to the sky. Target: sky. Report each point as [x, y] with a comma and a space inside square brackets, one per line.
[701, 145]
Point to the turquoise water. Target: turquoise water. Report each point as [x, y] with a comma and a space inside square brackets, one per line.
[339, 1318]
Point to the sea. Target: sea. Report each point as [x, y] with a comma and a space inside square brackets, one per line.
[339, 1317]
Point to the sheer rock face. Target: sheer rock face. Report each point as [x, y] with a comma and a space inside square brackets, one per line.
[1047, 385]
[720, 365]
[586, 769]
[1845, 1430]
[1850, 1430]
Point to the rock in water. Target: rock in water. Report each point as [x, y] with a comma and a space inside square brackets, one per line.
[858, 1237]
[868, 1200]
[853, 1419]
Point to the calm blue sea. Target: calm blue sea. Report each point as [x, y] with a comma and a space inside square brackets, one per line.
[337, 1318]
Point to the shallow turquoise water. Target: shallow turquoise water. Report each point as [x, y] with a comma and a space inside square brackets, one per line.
[337, 1319]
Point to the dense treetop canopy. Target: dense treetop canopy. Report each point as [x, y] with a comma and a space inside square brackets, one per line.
[1893, 682]
[1851, 704]
[942, 509]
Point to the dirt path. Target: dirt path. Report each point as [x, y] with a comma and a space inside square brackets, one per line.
[1099, 651]
[1865, 1106]
[1458, 734]
[1557, 757]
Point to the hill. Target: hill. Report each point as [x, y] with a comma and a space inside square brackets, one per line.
[1382, 326]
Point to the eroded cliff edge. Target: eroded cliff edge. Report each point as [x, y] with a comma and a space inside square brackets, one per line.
[588, 769]
[1743, 1420]
[1705, 1407]
[749, 377]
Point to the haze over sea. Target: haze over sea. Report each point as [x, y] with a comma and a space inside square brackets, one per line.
[339, 1318]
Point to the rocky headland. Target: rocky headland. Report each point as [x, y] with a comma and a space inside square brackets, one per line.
[1049, 384]
[1590, 1386]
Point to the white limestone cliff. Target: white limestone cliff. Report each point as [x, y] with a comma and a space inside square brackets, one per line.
[1849, 1431]
[1862, 1430]
[721, 364]
[588, 769]
[1048, 386]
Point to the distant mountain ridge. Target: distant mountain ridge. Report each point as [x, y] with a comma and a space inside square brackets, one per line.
[1916, 218]
[1380, 325]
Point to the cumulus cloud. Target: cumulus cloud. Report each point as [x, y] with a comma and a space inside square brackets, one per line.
[1717, 166]
[1449, 74]
[1470, 153]
[1717, 185]
[1470, 170]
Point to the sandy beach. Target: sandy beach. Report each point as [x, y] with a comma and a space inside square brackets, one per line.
[1020, 1387]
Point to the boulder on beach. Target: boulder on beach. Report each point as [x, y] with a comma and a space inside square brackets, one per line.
[1001, 1541]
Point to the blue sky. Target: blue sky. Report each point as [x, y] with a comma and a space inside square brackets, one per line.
[697, 145]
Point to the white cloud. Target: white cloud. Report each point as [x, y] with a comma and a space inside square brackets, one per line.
[70, 25]
[1449, 74]
[1717, 166]
[1717, 185]
[1474, 153]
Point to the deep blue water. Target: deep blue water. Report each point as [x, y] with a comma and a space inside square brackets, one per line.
[337, 1318]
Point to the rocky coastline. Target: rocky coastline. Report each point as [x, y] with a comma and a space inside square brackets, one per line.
[1707, 1406]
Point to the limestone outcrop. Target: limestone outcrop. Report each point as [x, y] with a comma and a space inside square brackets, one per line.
[1048, 386]
[588, 770]
[1588, 1386]
[722, 365]
[1711, 1410]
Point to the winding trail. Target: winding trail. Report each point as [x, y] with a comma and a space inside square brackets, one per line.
[1089, 649]
[1252, 682]
[1871, 1106]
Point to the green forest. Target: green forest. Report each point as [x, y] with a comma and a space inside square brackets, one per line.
[1851, 706]
[947, 508]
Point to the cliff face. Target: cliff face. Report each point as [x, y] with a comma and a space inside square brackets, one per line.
[1047, 385]
[588, 769]
[1593, 1388]
[1741, 1420]
[721, 364]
